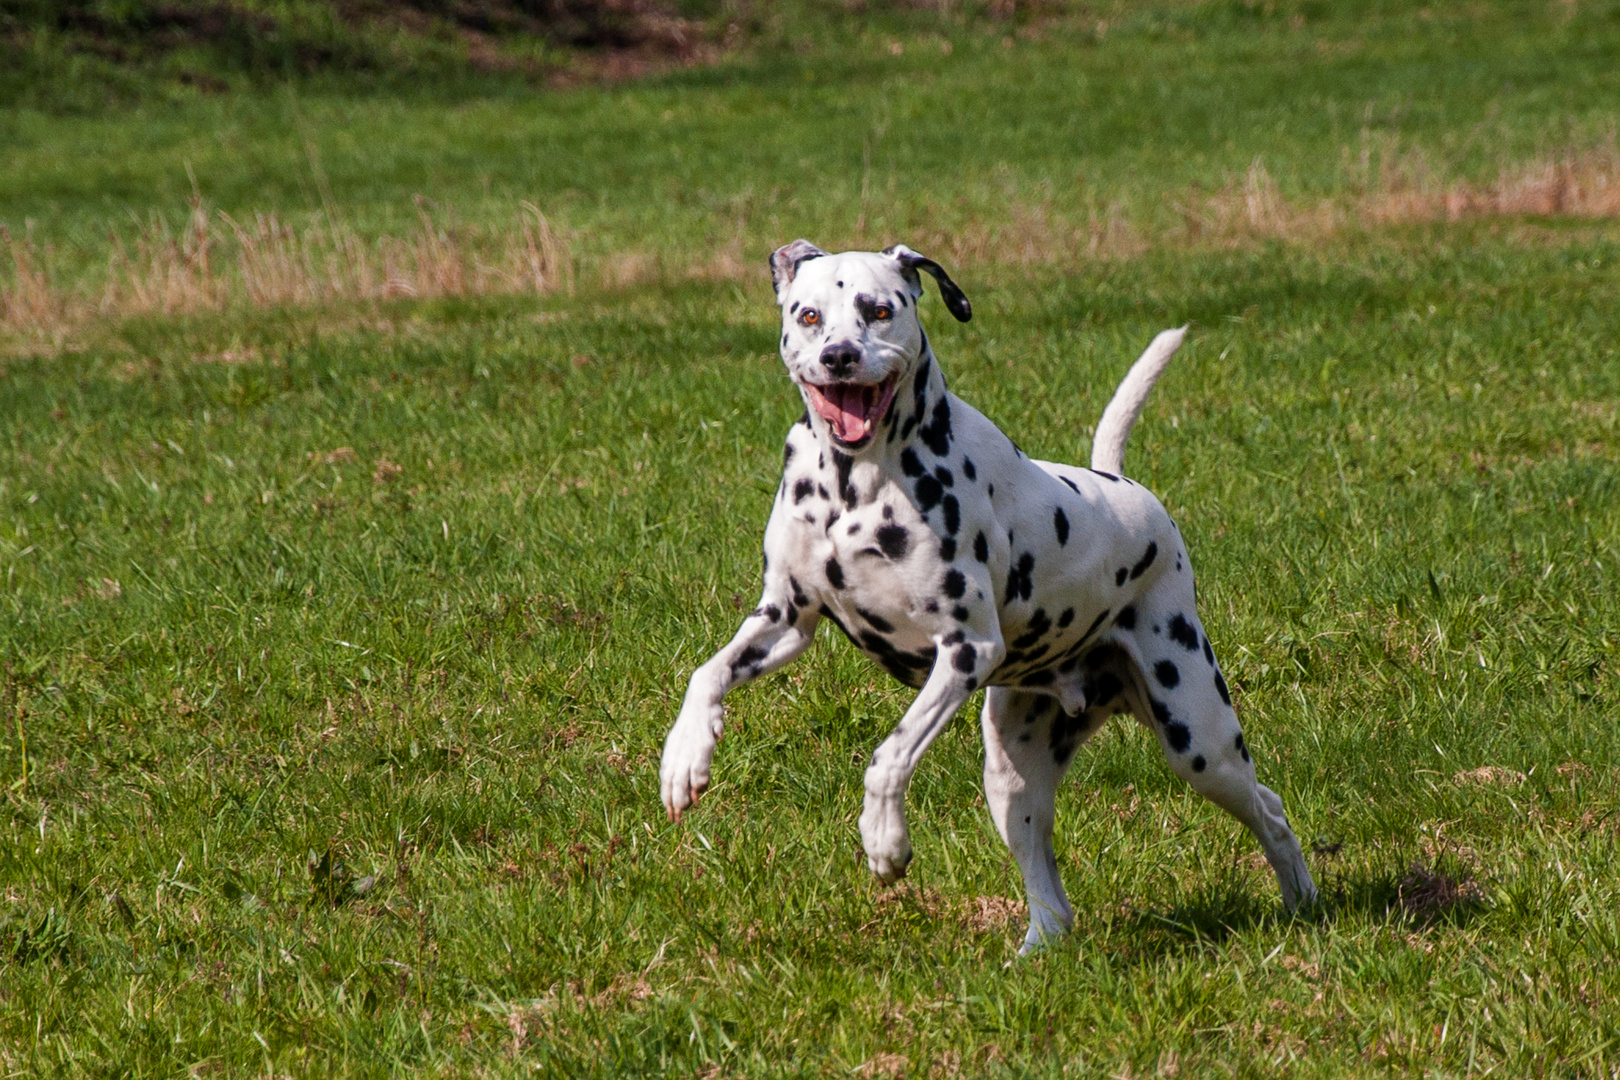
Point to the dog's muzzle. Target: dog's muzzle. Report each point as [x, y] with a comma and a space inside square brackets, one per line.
[853, 410]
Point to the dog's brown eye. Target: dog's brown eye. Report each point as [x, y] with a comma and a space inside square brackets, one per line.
[809, 316]
[883, 312]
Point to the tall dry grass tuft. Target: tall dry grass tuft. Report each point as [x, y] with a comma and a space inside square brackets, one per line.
[29, 302]
[168, 272]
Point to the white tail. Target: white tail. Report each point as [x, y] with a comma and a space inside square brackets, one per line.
[1108, 446]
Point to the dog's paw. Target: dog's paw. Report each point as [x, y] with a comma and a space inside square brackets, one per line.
[890, 868]
[684, 773]
[886, 840]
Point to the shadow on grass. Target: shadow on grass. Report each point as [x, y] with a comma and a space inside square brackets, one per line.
[1417, 899]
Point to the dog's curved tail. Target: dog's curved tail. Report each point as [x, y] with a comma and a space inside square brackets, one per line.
[1108, 446]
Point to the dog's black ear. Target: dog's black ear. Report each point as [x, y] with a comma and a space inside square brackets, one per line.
[785, 262]
[956, 301]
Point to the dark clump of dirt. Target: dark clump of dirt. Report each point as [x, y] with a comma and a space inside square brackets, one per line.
[1429, 894]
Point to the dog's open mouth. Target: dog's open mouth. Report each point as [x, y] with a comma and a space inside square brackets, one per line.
[852, 410]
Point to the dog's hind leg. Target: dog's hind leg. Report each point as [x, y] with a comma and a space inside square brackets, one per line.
[1179, 693]
[1028, 743]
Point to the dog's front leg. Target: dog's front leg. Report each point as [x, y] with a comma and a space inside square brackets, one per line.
[775, 633]
[960, 666]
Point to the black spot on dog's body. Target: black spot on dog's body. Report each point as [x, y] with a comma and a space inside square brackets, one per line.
[1105, 475]
[1209, 653]
[1182, 633]
[748, 658]
[835, 574]
[981, 548]
[1127, 618]
[902, 665]
[1020, 584]
[968, 470]
[770, 611]
[832, 518]
[843, 463]
[928, 492]
[972, 683]
[787, 453]
[1060, 522]
[1034, 630]
[966, 659]
[947, 549]
[910, 463]
[1161, 711]
[1220, 687]
[893, 540]
[931, 606]
[991, 491]
[1066, 618]
[802, 490]
[1167, 674]
[821, 490]
[1146, 560]
[877, 622]
[1121, 574]
[955, 637]
[1178, 736]
[943, 475]
[960, 614]
[955, 584]
[798, 592]
[1198, 763]
[953, 514]
[1072, 485]
[854, 527]
[1237, 744]
[937, 435]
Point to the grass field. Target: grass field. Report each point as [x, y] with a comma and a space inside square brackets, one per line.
[339, 639]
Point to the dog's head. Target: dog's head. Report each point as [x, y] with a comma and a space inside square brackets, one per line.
[850, 332]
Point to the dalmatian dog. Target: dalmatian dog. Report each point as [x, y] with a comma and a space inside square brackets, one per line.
[943, 552]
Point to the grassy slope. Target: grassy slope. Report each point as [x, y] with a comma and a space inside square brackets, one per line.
[1395, 462]
[843, 134]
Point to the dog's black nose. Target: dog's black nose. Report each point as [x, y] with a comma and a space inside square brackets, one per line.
[840, 359]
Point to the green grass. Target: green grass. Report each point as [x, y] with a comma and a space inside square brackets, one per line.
[228, 649]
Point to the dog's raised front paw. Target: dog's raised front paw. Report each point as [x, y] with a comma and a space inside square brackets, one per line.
[684, 773]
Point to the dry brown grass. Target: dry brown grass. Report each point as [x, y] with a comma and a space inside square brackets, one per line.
[214, 260]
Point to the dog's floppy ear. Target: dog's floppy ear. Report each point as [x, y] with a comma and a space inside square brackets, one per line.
[956, 300]
[785, 262]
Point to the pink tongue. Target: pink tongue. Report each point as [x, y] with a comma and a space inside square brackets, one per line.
[844, 408]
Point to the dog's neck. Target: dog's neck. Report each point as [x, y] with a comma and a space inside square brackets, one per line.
[918, 422]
